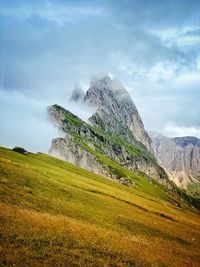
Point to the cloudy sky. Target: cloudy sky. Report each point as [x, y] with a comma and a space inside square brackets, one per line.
[46, 47]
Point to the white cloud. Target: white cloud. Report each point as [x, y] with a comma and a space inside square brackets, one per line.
[162, 70]
[80, 110]
[173, 130]
[188, 77]
[181, 36]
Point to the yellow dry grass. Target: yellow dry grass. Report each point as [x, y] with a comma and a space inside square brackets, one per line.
[55, 214]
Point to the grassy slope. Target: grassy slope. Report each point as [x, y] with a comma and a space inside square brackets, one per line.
[74, 125]
[56, 214]
[137, 150]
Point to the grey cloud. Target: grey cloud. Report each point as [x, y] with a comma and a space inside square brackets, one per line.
[52, 12]
[156, 14]
[146, 50]
[43, 59]
[195, 32]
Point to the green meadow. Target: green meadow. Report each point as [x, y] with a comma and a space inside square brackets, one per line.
[53, 213]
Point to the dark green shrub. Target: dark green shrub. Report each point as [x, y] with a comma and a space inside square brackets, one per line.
[20, 150]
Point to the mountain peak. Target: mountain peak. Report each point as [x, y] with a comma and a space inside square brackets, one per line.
[101, 81]
[77, 94]
[106, 83]
[116, 109]
[186, 140]
[115, 130]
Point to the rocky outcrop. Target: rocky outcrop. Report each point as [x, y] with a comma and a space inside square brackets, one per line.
[180, 156]
[116, 109]
[68, 150]
[92, 149]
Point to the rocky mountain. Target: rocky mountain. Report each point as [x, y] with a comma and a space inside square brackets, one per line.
[180, 156]
[112, 140]
[116, 109]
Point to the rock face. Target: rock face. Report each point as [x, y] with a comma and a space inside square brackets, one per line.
[116, 109]
[180, 156]
[70, 151]
[114, 137]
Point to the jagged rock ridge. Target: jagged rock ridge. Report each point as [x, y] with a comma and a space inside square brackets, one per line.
[186, 140]
[180, 156]
[115, 134]
[116, 109]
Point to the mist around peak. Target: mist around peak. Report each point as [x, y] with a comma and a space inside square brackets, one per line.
[24, 122]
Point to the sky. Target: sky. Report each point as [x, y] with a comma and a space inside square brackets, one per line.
[46, 47]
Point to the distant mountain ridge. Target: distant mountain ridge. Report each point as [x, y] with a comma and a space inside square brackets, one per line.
[113, 139]
[180, 156]
[186, 140]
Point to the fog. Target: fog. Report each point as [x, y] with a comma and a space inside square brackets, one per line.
[24, 121]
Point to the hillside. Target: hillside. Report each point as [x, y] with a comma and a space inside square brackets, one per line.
[56, 214]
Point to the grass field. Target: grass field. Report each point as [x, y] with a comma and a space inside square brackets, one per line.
[55, 214]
